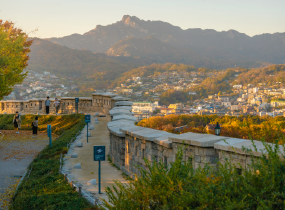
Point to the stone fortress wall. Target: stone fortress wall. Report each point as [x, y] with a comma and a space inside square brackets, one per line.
[99, 102]
[130, 144]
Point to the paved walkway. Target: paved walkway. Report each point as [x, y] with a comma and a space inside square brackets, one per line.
[17, 151]
[89, 168]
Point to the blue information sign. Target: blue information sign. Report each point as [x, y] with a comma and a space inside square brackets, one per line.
[49, 134]
[76, 100]
[49, 130]
[99, 153]
[87, 118]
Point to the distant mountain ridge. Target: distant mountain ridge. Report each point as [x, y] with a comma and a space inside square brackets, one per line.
[207, 43]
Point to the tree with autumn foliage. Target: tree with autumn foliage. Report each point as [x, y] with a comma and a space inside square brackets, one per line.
[14, 49]
[264, 128]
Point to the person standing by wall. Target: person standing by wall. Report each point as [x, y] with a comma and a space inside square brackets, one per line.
[56, 104]
[47, 104]
[17, 122]
[35, 125]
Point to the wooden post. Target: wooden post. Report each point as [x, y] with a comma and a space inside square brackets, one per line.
[65, 177]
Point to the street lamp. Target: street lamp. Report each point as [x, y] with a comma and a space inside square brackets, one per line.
[217, 129]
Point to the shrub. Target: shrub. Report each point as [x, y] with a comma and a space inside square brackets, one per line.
[45, 188]
[261, 186]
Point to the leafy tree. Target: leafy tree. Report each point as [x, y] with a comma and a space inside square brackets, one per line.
[173, 96]
[246, 127]
[14, 48]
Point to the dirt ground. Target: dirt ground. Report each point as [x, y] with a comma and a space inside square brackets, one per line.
[17, 151]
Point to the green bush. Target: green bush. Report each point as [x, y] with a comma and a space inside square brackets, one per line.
[45, 188]
[261, 186]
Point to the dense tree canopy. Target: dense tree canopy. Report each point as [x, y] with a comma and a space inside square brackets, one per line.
[246, 127]
[269, 75]
[14, 48]
[173, 96]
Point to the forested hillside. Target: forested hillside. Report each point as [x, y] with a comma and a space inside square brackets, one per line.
[46, 56]
[269, 75]
[99, 70]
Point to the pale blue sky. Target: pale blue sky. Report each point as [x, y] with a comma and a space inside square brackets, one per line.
[56, 18]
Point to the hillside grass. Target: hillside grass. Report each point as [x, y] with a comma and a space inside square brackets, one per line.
[58, 123]
[45, 188]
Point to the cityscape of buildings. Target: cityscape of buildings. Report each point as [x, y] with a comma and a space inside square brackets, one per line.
[145, 92]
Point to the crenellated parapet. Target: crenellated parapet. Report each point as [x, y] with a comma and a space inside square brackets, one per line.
[99, 102]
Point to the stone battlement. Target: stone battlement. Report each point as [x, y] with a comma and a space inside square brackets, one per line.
[99, 102]
[130, 144]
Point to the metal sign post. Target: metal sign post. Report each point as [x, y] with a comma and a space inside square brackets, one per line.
[87, 120]
[99, 155]
[76, 104]
[49, 134]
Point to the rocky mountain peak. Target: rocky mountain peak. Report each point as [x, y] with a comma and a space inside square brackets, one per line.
[130, 20]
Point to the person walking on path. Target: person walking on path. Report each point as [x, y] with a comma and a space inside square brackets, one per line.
[56, 104]
[47, 103]
[35, 125]
[17, 122]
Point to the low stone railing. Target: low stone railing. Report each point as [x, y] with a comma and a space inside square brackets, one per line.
[130, 144]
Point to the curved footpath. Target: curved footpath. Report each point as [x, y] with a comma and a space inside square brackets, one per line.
[89, 168]
[17, 151]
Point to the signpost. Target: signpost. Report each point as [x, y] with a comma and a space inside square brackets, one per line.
[99, 155]
[49, 134]
[87, 120]
[76, 104]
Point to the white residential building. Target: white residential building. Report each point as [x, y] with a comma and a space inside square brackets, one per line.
[144, 106]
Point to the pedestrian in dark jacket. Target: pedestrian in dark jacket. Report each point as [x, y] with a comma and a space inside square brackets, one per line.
[17, 122]
[47, 104]
[35, 125]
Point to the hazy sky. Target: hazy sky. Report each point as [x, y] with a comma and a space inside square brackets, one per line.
[56, 18]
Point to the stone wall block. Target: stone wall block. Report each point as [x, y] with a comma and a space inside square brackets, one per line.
[234, 156]
[170, 159]
[205, 159]
[196, 150]
[154, 152]
[210, 151]
[242, 157]
[189, 154]
[197, 158]
[148, 157]
[214, 159]
[201, 151]
[154, 146]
